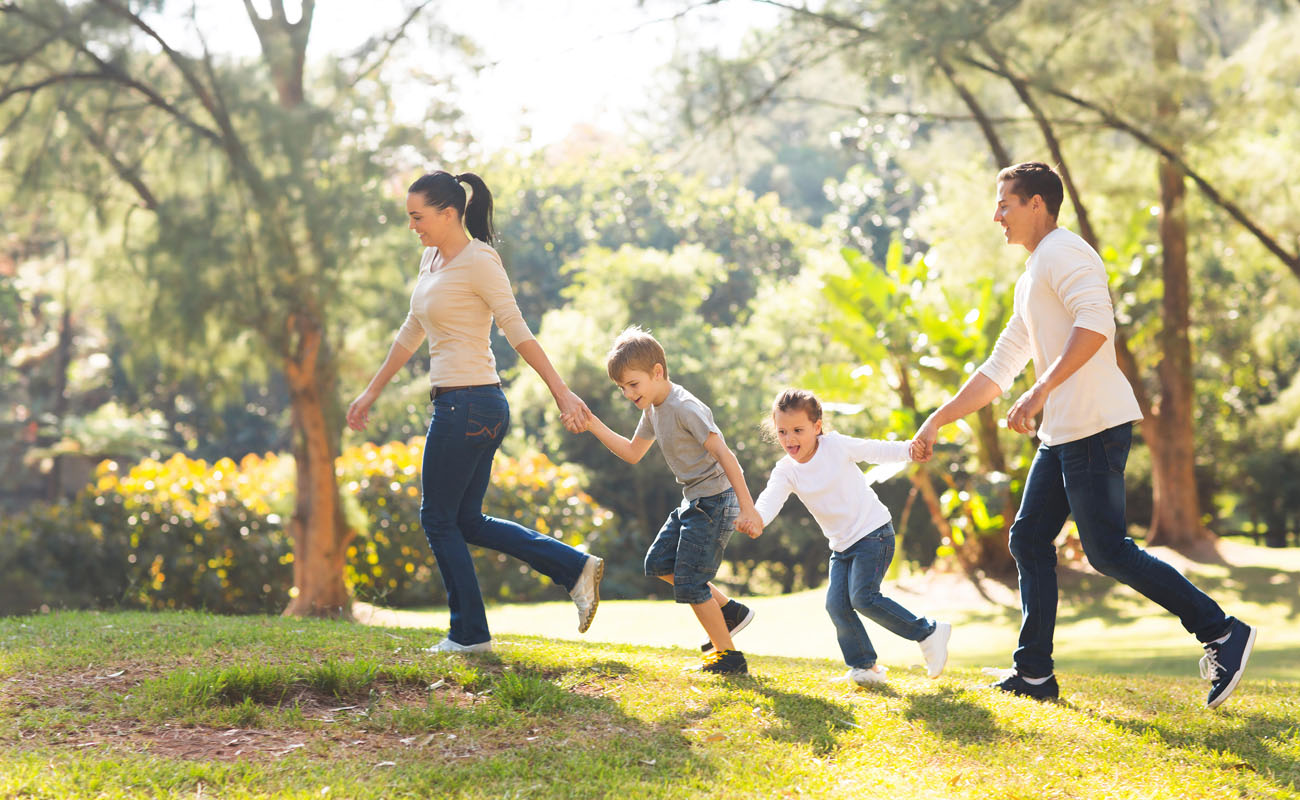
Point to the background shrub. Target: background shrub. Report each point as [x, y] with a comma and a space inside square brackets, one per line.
[183, 533]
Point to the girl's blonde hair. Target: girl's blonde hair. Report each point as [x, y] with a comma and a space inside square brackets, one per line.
[790, 400]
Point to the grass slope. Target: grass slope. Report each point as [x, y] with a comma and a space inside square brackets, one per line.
[191, 705]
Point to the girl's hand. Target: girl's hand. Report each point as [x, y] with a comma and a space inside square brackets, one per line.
[573, 412]
[359, 411]
[923, 442]
[750, 524]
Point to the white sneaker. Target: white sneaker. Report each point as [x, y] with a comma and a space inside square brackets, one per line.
[864, 677]
[586, 592]
[935, 648]
[1000, 673]
[448, 646]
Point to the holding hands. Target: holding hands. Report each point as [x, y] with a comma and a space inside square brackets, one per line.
[922, 447]
[573, 412]
[750, 524]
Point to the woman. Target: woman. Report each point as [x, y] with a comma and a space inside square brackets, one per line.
[462, 286]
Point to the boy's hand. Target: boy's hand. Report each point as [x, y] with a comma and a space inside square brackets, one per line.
[575, 424]
[750, 524]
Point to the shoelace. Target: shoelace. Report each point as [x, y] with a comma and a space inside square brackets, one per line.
[1210, 666]
[712, 658]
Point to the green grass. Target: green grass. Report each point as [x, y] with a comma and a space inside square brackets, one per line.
[190, 705]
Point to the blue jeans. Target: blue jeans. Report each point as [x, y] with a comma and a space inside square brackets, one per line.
[464, 434]
[855, 589]
[1086, 478]
[690, 543]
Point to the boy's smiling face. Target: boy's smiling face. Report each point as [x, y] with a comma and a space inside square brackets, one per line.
[643, 388]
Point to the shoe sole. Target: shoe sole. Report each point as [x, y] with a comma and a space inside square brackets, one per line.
[740, 626]
[947, 636]
[600, 573]
[1043, 698]
[1241, 670]
[471, 649]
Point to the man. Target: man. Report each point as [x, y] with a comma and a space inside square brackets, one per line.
[1062, 317]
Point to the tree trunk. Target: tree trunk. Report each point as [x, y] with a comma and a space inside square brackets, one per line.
[319, 530]
[1177, 509]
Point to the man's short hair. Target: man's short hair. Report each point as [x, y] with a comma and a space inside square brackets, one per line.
[634, 349]
[1035, 178]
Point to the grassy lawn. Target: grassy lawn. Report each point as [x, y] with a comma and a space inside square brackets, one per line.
[191, 705]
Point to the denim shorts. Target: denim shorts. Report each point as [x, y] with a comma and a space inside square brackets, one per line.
[690, 543]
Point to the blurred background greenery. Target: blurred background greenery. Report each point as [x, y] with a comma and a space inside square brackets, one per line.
[204, 257]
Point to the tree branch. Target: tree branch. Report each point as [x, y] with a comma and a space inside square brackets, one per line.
[107, 72]
[128, 174]
[390, 42]
[1113, 120]
[977, 111]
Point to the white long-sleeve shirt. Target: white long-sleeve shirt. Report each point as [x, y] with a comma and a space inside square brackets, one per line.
[832, 487]
[1064, 286]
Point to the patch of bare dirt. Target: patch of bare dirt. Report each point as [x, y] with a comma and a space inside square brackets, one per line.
[335, 728]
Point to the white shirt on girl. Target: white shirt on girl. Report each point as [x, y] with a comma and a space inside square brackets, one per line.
[832, 486]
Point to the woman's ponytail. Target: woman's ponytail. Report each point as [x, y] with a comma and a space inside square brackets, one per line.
[478, 211]
[441, 189]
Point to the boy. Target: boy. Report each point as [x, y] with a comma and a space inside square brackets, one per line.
[688, 549]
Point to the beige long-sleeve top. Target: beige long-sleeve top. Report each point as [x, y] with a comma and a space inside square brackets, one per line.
[1064, 286]
[452, 306]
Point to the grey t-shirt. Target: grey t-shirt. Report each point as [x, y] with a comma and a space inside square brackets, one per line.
[681, 423]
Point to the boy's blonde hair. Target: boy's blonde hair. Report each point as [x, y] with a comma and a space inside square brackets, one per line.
[634, 349]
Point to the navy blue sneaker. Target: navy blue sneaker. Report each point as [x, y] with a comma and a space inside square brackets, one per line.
[1223, 664]
[1014, 684]
[737, 615]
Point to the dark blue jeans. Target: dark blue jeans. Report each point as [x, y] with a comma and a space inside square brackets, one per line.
[1086, 478]
[854, 589]
[464, 434]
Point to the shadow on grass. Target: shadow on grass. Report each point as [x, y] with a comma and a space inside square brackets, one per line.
[951, 714]
[814, 721]
[1266, 744]
[1262, 585]
[1087, 595]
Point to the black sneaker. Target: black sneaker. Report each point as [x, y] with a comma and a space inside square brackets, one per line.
[726, 662]
[1223, 664]
[1014, 684]
[737, 616]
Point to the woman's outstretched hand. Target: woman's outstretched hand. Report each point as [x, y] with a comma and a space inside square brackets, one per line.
[359, 412]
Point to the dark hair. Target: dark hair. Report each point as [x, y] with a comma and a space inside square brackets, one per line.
[634, 349]
[442, 189]
[1035, 178]
[793, 400]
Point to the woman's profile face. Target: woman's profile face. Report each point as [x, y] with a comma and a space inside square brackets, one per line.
[429, 223]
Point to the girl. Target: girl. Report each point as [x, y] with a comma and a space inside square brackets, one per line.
[821, 468]
[462, 286]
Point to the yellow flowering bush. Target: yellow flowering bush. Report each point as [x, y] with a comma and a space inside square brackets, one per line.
[199, 535]
[183, 533]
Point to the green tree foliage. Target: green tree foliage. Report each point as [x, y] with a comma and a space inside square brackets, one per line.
[984, 85]
[265, 198]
